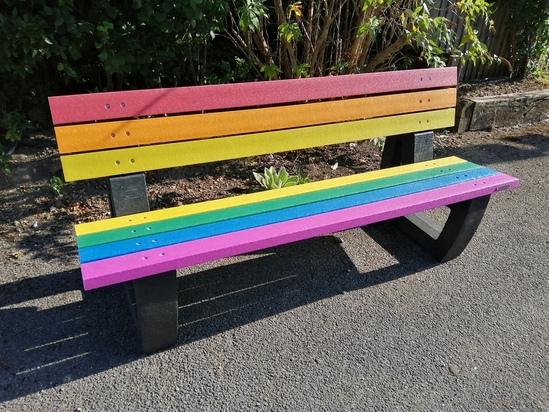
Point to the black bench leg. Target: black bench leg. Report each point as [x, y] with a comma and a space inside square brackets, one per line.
[408, 148]
[442, 242]
[154, 305]
[153, 299]
[445, 242]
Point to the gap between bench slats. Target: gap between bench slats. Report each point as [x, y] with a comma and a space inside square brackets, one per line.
[135, 103]
[137, 132]
[139, 159]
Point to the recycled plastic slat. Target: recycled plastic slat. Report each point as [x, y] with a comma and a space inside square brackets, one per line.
[116, 105]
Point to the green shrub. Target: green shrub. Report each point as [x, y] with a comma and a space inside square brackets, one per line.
[317, 37]
[73, 46]
[531, 41]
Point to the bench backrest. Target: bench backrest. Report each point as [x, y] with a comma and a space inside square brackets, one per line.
[117, 133]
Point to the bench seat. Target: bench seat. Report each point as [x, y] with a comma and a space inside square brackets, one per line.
[131, 247]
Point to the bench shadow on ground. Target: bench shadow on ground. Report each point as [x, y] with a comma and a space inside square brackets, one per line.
[42, 348]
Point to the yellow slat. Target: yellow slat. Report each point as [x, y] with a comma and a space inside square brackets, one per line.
[219, 204]
[139, 159]
[137, 132]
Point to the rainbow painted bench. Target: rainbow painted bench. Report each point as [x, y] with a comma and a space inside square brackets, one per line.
[121, 135]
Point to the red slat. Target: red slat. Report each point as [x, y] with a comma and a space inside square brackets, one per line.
[133, 103]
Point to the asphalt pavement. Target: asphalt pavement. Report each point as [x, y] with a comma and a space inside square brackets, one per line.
[357, 321]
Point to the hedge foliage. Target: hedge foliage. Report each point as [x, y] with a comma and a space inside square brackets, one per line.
[317, 37]
[68, 46]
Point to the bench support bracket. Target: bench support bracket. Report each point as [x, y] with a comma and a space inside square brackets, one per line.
[407, 148]
[446, 242]
[153, 299]
[443, 242]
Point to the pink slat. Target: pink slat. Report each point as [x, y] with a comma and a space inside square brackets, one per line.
[133, 103]
[123, 268]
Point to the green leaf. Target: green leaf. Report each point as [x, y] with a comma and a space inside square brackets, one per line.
[271, 71]
[301, 70]
[251, 14]
[289, 31]
[283, 175]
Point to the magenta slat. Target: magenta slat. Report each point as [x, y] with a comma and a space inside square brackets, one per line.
[114, 105]
[136, 265]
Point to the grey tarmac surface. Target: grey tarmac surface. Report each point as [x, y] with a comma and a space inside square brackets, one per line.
[357, 321]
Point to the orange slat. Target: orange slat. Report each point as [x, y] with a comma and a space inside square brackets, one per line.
[138, 132]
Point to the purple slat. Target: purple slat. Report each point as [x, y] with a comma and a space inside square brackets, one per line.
[133, 266]
[134, 103]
